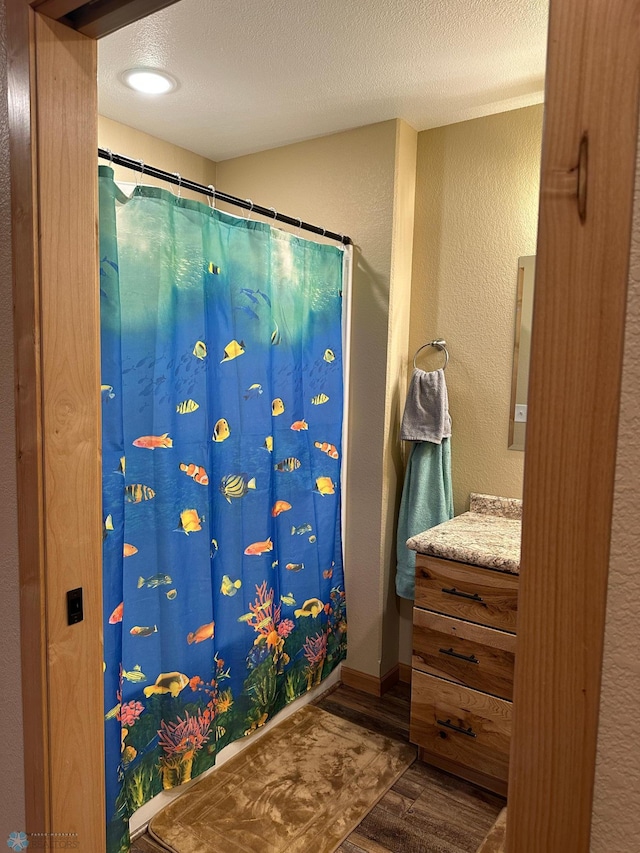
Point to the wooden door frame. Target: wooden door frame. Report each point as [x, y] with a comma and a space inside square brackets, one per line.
[98, 18]
[53, 136]
[582, 267]
[581, 284]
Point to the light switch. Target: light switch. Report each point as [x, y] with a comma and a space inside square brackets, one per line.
[75, 611]
[521, 414]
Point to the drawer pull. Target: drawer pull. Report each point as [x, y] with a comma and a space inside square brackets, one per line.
[454, 591]
[449, 725]
[451, 653]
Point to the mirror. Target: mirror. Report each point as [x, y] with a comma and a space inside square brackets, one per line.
[521, 351]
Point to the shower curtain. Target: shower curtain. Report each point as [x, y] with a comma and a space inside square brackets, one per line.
[222, 421]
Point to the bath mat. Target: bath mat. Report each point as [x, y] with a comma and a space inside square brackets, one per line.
[496, 840]
[304, 786]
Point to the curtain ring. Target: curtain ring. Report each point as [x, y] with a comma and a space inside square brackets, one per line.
[179, 177]
[110, 153]
[324, 232]
[248, 200]
[141, 174]
[275, 213]
[212, 200]
[299, 228]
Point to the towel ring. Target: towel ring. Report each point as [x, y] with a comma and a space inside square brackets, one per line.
[441, 345]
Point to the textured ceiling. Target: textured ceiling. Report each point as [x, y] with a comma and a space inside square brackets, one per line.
[256, 74]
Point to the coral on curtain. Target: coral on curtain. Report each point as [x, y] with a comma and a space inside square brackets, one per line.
[222, 422]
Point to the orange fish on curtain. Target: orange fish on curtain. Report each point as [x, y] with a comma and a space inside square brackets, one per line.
[204, 632]
[330, 449]
[196, 472]
[280, 507]
[257, 548]
[116, 616]
[152, 442]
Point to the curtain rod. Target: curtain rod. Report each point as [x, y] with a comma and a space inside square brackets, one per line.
[247, 204]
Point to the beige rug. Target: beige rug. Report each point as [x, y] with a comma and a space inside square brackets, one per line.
[496, 840]
[304, 786]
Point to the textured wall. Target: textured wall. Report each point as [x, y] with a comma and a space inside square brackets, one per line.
[616, 806]
[477, 192]
[346, 182]
[11, 778]
[476, 214]
[399, 319]
[140, 146]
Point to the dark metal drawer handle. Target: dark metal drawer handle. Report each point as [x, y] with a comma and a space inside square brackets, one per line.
[451, 653]
[449, 725]
[454, 591]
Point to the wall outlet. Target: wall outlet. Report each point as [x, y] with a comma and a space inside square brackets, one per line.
[521, 414]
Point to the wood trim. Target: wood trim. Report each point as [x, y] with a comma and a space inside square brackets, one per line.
[98, 18]
[28, 399]
[52, 81]
[66, 77]
[578, 329]
[371, 684]
[516, 355]
[56, 8]
[102, 17]
[360, 681]
[390, 679]
[404, 673]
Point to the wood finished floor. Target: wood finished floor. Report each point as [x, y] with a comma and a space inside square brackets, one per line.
[426, 811]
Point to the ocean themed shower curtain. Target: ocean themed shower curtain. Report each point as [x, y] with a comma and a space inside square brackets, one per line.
[222, 421]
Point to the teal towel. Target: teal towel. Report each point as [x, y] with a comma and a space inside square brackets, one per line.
[427, 500]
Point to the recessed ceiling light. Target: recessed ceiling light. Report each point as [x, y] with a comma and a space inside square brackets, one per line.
[150, 81]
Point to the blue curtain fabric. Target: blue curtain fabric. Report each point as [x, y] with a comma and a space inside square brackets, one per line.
[222, 422]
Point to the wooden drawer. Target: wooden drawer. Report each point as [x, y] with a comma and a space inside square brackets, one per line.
[471, 655]
[463, 728]
[467, 592]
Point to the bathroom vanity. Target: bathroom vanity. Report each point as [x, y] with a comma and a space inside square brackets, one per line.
[464, 641]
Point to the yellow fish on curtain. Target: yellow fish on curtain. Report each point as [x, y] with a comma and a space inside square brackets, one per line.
[212, 329]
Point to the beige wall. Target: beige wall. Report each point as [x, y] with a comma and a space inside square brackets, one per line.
[399, 319]
[353, 182]
[122, 139]
[476, 214]
[477, 192]
[616, 806]
[12, 776]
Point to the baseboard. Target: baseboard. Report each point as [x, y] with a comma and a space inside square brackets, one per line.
[390, 679]
[405, 672]
[371, 684]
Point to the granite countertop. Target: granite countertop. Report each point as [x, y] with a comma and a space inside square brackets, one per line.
[488, 535]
